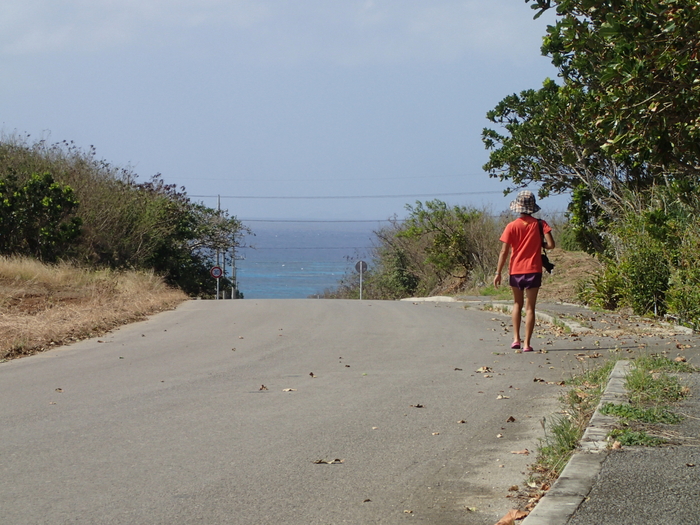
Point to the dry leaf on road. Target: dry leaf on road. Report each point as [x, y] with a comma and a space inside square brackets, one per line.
[513, 514]
[523, 451]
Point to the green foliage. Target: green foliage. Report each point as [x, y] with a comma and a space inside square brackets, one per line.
[437, 249]
[449, 247]
[645, 386]
[122, 223]
[623, 122]
[643, 415]
[36, 216]
[561, 438]
[635, 438]
[604, 289]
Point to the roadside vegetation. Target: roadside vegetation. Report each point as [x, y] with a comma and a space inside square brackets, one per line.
[618, 132]
[42, 305]
[60, 203]
[654, 386]
[563, 431]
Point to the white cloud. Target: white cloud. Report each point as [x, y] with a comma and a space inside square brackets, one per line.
[347, 32]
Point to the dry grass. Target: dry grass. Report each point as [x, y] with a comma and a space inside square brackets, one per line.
[45, 306]
[571, 268]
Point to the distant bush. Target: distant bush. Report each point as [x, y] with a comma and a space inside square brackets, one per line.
[436, 249]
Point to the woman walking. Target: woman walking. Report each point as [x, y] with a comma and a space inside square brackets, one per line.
[523, 241]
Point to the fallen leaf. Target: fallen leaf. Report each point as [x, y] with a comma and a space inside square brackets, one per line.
[617, 445]
[484, 369]
[436, 433]
[499, 396]
[471, 509]
[289, 390]
[367, 500]
[418, 406]
[461, 421]
[312, 374]
[329, 461]
[690, 464]
[408, 512]
[347, 366]
[233, 349]
[538, 380]
[52, 402]
[680, 359]
[514, 488]
[262, 387]
[458, 369]
[524, 452]
[511, 419]
[499, 435]
[513, 514]
[59, 390]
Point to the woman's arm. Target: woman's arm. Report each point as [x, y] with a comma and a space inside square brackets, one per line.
[549, 241]
[502, 258]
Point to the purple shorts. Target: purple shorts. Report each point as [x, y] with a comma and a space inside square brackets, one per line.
[526, 280]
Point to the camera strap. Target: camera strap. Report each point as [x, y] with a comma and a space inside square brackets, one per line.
[539, 223]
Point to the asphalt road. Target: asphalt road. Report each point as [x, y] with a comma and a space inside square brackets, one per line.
[167, 421]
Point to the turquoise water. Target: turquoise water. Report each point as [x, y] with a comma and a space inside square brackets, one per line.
[298, 263]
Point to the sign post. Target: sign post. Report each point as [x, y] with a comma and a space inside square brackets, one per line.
[216, 273]
[361, 267]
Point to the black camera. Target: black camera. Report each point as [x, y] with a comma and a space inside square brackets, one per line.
[546, 264]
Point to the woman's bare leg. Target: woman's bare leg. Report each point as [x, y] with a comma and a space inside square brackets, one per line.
[518, 299]
[530, 314]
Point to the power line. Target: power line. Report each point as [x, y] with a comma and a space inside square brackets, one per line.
[322, 220]
[309, 248]
[427, 177]
[283, 197]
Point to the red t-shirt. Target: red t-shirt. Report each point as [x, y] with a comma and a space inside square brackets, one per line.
[523, 235]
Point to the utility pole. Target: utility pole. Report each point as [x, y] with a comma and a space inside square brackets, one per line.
[218, 208]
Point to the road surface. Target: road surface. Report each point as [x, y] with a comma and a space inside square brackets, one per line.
[218, 413]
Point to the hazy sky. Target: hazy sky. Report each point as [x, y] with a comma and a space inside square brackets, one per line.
[276, 97]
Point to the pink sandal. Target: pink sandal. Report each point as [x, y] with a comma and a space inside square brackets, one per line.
[515, 345]
[528, 349]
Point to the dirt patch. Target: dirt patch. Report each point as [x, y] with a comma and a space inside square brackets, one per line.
[571, 268]
[40, 311]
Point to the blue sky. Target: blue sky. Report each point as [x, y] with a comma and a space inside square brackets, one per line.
[261, 98]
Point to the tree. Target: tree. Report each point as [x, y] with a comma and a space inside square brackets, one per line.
[36, 217]
[639, 61]
[624, 120]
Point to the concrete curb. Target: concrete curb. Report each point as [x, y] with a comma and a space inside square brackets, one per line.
[539, 315]
[577, 478]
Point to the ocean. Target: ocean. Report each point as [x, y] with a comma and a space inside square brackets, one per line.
[299, 260]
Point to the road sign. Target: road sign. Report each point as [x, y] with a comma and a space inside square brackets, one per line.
[216, 272]
[361, 267]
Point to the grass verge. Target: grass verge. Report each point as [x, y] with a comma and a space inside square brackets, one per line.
[563, 432]
[652, 385]
[43, 306]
